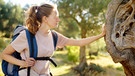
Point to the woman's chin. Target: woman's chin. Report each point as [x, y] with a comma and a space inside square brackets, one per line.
[55, 26]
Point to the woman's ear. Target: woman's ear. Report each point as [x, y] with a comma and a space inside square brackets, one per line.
[44, 19]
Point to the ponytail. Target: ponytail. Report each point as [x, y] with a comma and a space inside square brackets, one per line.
[31, 21]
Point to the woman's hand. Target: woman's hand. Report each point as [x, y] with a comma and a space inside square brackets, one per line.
[103, 30]
[29, 62]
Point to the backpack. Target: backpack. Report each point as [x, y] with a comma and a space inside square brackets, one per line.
[11, 69]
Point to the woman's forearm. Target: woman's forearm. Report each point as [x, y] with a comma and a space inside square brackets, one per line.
[12, 59]
[6, 55]
[89, 40]
[84, 41]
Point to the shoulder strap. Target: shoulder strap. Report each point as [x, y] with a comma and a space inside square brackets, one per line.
[32, 44]
[32, 47]
[55, 38]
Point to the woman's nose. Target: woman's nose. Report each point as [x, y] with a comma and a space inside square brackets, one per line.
[58, 19]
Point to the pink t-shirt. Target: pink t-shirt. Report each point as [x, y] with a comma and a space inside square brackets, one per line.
[45, 48]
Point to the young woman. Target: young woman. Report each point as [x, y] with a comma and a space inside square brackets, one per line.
[40, 20]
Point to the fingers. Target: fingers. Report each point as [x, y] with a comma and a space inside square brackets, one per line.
[103, 30]
[29, 62]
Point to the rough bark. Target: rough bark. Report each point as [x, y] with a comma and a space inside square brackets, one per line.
[120, 33]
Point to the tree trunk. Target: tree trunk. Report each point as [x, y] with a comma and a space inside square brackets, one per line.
[120, 33]
[82, 49]
[81, 68]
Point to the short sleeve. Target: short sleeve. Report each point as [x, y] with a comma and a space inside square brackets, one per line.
[20, 43]
[62, 40]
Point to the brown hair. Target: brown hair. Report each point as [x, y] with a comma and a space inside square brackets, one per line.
[35, 15]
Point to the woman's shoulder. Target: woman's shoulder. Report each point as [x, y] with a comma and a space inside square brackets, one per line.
[22, 34]
[59, 34]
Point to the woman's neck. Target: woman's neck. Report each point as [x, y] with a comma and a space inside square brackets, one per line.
[44, 29]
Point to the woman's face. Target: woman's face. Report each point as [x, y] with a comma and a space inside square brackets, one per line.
[53, 19]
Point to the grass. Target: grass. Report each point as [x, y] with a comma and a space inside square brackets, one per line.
[110, 68]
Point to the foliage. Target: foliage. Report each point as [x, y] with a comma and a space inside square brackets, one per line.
[86, 14]
[68, 28]
[3, 41]
[73, 53]
[120, 68]
[3, 44]
[10, 16]
[99, 45]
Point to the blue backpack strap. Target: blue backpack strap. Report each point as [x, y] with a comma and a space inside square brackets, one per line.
[32, 47]
[32, 44]
[55, 39]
